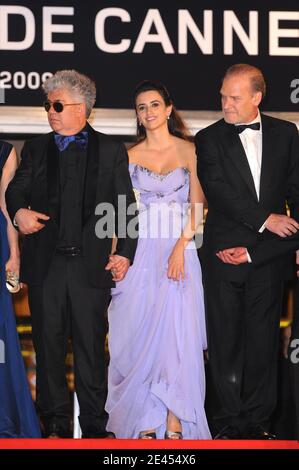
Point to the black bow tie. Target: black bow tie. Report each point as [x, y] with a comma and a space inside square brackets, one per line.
[254, 126]
[62, 141]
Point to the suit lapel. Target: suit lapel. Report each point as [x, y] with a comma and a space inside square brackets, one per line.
[91, 175]
[236, 152]
[53, 184]
[268, 150]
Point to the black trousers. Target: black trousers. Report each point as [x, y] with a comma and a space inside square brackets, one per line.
[65, 305]
[243, 339]
[293, 358]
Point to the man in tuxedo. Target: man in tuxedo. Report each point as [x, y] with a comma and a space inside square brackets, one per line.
[263, 252]
[53, 199]
[248, 167]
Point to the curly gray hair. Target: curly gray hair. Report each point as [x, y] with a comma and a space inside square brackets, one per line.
[76, 83]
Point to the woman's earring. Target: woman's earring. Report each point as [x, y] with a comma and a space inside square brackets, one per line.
[168, 118]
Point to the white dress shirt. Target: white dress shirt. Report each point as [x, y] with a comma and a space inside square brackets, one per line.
[253, 147]
[252, 141]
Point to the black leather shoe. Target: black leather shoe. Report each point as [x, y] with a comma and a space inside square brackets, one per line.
[56, 431]
[53, 435]
[99, 435]
[229, 432]
[258, 432]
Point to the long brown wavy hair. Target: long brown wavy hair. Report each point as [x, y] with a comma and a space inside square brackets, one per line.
[176, 125]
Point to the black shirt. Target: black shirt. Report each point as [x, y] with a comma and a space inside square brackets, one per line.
[72, 175]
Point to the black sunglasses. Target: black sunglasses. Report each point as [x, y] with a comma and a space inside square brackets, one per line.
[57, 106]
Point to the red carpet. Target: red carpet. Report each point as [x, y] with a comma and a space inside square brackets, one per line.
[141, 444]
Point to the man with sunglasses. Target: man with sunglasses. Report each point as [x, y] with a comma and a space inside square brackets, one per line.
[62, 178]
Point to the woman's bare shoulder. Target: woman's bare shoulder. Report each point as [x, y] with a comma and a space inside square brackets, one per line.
[11, 163]
[187, 145]
[135, 152]
[186, 149]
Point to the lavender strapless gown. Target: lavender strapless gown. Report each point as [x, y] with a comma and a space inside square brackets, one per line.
[157, 328]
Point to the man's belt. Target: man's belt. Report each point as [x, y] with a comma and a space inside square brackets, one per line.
[69, 250]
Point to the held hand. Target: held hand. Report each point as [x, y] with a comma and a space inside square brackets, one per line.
[12, 269]
[28, 221]
[176, 264]
[282, 225]
[13, 265]
[236, 255]
[119, 266]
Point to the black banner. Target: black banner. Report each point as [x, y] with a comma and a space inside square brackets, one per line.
[186, 44]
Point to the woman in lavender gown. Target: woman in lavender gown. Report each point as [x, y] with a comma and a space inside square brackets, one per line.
[156, 381]
[17, 413]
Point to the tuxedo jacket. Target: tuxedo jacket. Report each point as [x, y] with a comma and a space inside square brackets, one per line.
[235, 213]
[36, 185]
[269, 250]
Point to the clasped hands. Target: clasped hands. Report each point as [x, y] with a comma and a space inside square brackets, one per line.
[118, 265]
[281, 225]
[236, 255]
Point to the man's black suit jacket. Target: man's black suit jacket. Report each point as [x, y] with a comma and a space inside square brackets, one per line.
[268, 250]
[36, 186]
[235, 214]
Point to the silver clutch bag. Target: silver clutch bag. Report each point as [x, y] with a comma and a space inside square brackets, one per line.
[12, 282]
